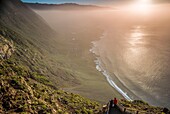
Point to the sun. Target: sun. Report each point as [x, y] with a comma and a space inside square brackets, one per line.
[141, 6]
[144, 1]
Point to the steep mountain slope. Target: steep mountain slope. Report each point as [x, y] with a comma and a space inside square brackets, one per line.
[25, 77]
[21, 19]
[34, 39]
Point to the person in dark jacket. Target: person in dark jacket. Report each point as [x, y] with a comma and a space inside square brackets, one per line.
[110, 105]
[166, 111]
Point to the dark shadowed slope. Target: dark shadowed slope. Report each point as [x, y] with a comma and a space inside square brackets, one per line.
[34, 39]
[16, 16]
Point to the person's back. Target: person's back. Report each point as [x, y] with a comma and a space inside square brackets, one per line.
[111, 103]
[110, 106]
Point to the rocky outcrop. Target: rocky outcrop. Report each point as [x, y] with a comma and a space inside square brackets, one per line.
[6, 48]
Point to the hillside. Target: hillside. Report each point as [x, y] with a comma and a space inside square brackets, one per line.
[22, 91]
[25, 73]
[21, 25]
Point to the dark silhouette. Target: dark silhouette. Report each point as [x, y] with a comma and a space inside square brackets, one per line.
[166, 111]
[110, 105]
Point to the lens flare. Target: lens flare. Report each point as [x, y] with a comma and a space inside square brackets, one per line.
[141, 6]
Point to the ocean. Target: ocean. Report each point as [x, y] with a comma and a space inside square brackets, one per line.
[135, 57]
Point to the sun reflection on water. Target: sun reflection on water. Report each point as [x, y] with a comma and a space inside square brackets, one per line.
[136, 36]
[136, 49]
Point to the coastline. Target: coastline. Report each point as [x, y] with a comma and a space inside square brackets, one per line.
[101, 69]
[103, 66]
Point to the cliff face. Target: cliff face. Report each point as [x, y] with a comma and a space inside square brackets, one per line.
[6, 48]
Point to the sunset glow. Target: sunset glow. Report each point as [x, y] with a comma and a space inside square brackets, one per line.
[141, 6]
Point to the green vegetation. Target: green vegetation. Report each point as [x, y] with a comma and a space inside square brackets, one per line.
[22, 91]
[30, 90]
[141, 106]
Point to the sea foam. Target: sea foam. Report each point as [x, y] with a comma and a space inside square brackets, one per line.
[101, 69]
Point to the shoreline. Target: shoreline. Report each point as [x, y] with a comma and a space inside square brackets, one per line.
[114, 81]
[99, 68]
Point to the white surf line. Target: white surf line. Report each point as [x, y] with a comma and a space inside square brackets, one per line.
[110, 81]
[116, 87]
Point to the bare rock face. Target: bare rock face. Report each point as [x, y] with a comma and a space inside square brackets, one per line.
[6, 48]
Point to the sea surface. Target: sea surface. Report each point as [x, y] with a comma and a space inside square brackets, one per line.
[135, 57]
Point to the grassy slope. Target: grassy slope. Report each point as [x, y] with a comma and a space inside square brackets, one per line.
[34, 45]
[141, 106]
[28, 94]
[30, 89]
